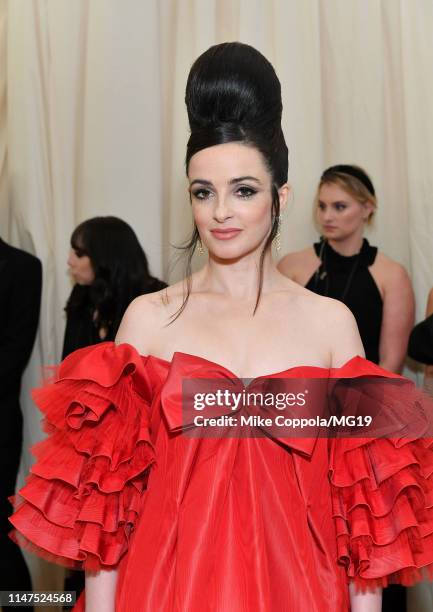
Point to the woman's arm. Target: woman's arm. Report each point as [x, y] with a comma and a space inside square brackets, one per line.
[137, 326]
[346, 343]
[364, 602]
[101, 591]
[397, 319]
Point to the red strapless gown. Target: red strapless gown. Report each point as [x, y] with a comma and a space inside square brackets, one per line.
[216, 525]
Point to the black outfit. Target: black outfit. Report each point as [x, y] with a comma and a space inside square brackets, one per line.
[20, 298]
[80, 329]
[421, 342]
[349, 280]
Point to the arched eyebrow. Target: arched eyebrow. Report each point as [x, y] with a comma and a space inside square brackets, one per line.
[232, 181]
[240, 179]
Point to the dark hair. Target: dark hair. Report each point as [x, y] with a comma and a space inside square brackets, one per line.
[233, 95]
[120, 267]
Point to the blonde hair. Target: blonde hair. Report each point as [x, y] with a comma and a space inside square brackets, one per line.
[354, 180]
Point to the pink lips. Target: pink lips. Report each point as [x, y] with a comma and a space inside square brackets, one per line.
[225, 234]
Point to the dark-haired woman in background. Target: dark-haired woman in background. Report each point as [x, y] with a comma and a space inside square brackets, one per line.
[110, 269]
[344, 266]
[164, 521]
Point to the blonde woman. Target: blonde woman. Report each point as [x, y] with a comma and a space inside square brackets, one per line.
[344, 266]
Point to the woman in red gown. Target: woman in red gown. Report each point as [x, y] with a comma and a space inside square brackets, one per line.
[162, 521]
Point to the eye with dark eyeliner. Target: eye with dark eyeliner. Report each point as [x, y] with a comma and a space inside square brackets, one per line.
[201, 194]
[245, 192]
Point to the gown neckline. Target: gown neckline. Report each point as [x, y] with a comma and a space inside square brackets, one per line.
[231, 374]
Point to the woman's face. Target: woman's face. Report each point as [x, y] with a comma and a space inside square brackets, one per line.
[339, 214]
[80, 267]
[231, 199]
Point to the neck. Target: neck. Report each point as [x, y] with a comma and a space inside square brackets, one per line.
[348, 246]
[238, 279]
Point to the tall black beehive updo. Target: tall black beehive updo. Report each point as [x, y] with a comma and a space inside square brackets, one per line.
[233, 95]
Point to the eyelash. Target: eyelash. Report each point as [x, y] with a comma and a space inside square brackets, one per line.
[204, 194]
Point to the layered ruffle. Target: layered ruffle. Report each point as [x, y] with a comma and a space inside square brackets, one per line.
[382, 497]
[82, 498]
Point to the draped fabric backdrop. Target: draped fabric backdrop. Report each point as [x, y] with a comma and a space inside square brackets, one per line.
[92, 121]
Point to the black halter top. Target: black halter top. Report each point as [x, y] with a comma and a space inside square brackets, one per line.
[348, 279]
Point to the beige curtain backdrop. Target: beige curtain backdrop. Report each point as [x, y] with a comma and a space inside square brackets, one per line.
[92, 121]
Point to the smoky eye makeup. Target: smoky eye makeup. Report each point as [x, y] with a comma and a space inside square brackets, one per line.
[340, 205]
[245, 191]
[200, 193]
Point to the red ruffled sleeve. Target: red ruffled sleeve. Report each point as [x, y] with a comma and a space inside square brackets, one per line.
[82, 497]
[382, 489]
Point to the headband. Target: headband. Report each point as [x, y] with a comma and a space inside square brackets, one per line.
[352, 171]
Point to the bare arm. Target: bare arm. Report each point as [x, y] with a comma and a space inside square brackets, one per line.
[101, 591]
[365, 602]
[398, 318]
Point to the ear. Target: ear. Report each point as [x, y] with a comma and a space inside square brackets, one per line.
[368, 210]
[283, 194]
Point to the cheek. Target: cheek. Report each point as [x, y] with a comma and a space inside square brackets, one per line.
[353, 216]
[258, 211]
[86, 270]
[201, 214]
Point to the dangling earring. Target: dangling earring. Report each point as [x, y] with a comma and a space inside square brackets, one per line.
[200, 247]
[278, 235]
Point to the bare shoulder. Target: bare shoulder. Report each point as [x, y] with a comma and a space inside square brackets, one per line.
[338, 330]
[292, 264]
[147, 315]
[391, 271]
[296, 258]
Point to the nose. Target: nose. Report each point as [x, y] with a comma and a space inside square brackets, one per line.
[222, 210]
[326, 214]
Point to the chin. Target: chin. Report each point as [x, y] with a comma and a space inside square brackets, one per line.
[234, 253]
[333, 235]
[227, 254]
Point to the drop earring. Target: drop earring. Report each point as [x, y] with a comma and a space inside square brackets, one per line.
[278, 236]
[200, 247]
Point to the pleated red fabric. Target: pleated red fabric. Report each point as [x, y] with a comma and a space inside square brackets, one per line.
[247, 524]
